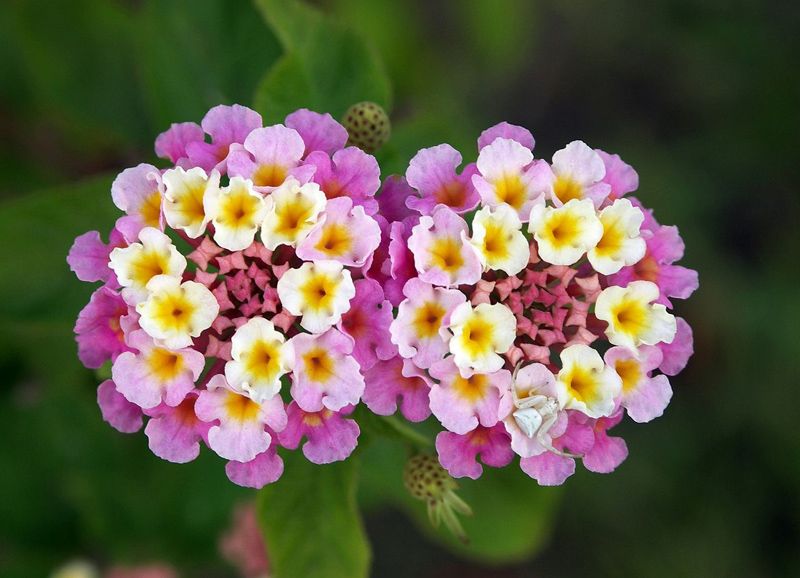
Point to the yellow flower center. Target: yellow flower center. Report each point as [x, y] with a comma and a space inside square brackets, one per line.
[269, 176]
[567, 189]
[164, 364]
[477, 337]
[315, 418]
[509, 189]
[495, 242]
[148, 264]
[611, 241]
[263, 359]
[562, 229]
[318, 364]
[630, 316]
[471, 388]
[335, 240]
[581, 383]
[150, 209]
[241, 408]
[292, 215]
[190, 204]
[428, 319]
[630, 372]
[238, 210]
[319, 291]
[446, 254]
[173, 311]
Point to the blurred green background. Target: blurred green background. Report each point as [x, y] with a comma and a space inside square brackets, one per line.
[701, 96]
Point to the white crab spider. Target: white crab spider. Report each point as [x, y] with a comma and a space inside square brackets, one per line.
[535, 415]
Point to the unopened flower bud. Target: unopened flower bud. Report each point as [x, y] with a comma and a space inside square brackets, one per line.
[367, 125]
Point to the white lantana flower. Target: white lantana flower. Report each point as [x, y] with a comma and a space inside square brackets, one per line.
[621, 244]
[479, 335]
[237, 212]
[137, 263]
[260, 356]
[320, 291]
[292, 211]
[585, 383]
[564, 234]
[184, 193]
[633, 319]
[497, 236]
[175, 312]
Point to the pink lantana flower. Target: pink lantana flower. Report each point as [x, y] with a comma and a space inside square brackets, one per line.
[507, 131]
[239, 432]
[552, 469]
[137, 192]
[88, 257]
[393, 380]
[171, 144]
[367, 323]
[607, 452]
[330, 436]
[226, 125]
[326, 375]
[433, 173]
[392, 198]
[265, 468]
[458, 453]
[507, 174]
[620, 176]
[98, 329]
[420, 327]
[461, 403]
[442, 254]
[401, 260]
[268, 156]
[343, 233]
[118, 412]
[320, 132]
[174, 433]
[350, 172]
[578, 173]
[676, 354]
[645, 397]
[155, 374]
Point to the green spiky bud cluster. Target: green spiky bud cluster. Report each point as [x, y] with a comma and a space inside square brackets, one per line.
[427, 480]
[367, 125]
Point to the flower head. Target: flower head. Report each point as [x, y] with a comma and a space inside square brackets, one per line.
[237, 212]
[578, 173]
[621, 243]
[291, 212]
[260, 356]
[585, 383]
[184, 194]
[268, 156]
[432, 173]
[498, 238]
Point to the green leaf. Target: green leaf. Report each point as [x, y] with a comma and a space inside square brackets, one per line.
[512, 515]
[218, 51]
[36, 232]
[327, 66]
[311, 521]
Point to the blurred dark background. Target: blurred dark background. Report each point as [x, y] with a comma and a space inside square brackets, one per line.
[700, 96]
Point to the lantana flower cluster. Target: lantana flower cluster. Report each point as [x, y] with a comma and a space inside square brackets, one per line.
[266, 282]
[234, 304]
[533, 305]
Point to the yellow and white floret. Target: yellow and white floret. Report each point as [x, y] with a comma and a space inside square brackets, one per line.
[320, 292]
[585, 383]
[236, 212]
[292, 211]
[259, 357]
[184, 194]
[621, 244]
[633, 319]
[176, 312]
[480, 334]
[137, 263]
[564, 234]
[497, 236]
